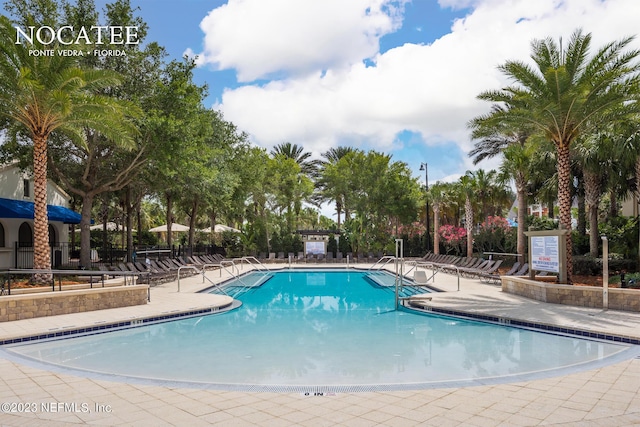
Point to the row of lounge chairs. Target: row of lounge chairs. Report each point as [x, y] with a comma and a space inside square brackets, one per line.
[476, 268]
[301, 257]
[161, 271]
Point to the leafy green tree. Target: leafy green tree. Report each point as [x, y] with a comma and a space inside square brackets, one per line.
[567, 95]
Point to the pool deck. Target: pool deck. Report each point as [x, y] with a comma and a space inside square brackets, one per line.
[608, 396]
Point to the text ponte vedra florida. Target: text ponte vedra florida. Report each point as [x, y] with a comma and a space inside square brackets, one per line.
[100, 36]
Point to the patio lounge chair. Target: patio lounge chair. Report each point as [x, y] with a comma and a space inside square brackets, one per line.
[524, 270]
[470, 273]
[494, 277]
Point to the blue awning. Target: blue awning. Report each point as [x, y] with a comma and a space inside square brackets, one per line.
[20, 209]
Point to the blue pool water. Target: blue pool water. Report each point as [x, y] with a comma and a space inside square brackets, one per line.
[320, 329]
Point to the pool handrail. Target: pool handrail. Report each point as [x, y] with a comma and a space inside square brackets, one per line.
[249, 260]
[191, 267]
[388, 259]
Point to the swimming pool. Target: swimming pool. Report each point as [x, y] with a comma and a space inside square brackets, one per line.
[328, 330]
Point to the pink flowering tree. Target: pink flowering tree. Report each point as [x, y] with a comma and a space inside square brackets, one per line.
[495, 235]
[453, 238]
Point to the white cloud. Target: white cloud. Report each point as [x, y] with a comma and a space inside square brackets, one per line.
[261, 38]
[429, 89]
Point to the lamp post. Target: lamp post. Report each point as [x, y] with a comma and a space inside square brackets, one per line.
[425, 167]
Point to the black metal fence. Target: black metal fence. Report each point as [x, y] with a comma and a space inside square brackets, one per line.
[67, 256]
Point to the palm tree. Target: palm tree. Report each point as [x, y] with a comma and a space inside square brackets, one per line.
[468, 186]
[297, 153]
[40, 95]
[331, 182]
[567, 95]
[438, 195]
[516, 165]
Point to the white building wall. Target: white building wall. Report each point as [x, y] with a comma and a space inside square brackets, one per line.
[12, 187]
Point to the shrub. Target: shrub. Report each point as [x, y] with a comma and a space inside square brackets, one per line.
[495, 235]
[589, 266]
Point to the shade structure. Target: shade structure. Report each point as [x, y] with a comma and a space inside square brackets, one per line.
[220, 228]
[174, 227]
[10, 208]
[111, 226]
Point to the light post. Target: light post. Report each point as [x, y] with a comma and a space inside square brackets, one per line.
[425, 167]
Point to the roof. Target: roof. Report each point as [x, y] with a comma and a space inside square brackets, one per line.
[23, 209]
[317, 232]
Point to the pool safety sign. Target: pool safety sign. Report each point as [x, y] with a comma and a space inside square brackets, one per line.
[545, 253]
[548, 252]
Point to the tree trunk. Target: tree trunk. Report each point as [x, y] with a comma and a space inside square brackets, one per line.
[436, 227]
[564, 201]
[192, 221]
[138, 220]
[582, 213]
[521, 245]
[613, 209]
[128, 206]
[592, 198]
[85, 233]
[105, 218]
[169, 219]
[41, 251]
[468, 214]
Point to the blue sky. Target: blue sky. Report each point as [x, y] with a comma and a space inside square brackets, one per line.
[397, 76]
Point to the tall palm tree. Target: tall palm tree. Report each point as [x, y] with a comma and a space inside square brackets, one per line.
[40, 95]
[516, 165]
[594, 154]
[297, 153]
[331, 182]
[468, 186]
[438, 195]
[567, 95]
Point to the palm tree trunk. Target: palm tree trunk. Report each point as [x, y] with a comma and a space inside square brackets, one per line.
[41, 255]
[436, 227]
[521, 188]
[613, 209]
[592, 199]
[564, 201]
[468, 214]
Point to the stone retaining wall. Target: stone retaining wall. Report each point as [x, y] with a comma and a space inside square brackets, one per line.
[18, 307]
[580, 296]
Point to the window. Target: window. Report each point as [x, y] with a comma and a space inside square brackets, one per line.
[2, 243]
[26, 184]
